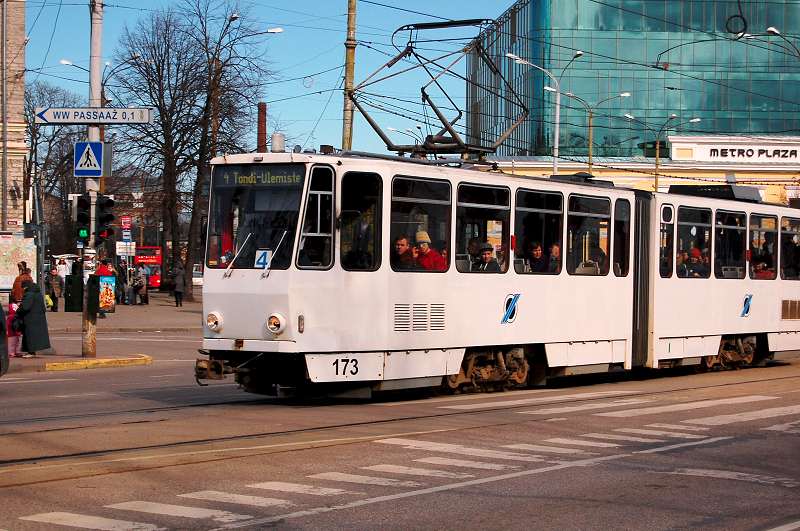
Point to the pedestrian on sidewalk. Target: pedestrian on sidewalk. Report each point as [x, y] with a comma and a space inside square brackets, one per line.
[122, 280]
[24, 274]
[180, 280]
[34, 332]
[3, 346]
[141, 281]
[54, 287]
[14, 337]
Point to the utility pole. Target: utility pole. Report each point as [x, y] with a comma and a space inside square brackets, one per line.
[4, 110]
[89, 325]
[349, 72]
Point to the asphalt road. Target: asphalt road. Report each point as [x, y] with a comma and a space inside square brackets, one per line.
[146, 448]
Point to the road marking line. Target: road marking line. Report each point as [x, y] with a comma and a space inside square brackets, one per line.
[412, 471]
[49, 380]
[457, 449]
[685, 406]
[365, 480]
[722, 420]
[298, 488]
[584, 407]
[789, 427]
[678, 427]
[446, 461]
[542, 448]
[444, 488]
[166, 375]
[542, 400]
[610, 437]
[241, 499]
[461, 398]
[179, 510]
[578, 442]
[89, 522]
[735, 476]
[681, 445]
[77, 396]
[791, 526]
[662, 433]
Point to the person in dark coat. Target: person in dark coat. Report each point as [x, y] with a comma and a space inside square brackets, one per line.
[3, 344]
[54, 286]
[180, 280]
[34, 336]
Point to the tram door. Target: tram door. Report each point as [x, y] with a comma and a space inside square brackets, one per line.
[641, 278]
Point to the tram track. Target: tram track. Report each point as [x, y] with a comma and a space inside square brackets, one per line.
[121, 454]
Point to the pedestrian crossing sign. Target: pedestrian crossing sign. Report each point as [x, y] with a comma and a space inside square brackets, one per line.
[88, 159]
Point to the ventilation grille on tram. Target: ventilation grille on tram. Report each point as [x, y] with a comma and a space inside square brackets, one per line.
[419, 317]
[790, 310]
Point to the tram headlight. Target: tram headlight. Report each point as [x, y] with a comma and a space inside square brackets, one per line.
[276, 323]
[214, 321]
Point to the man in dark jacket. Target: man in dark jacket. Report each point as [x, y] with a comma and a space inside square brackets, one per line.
[54, 286]
[180, 281]
[34, 335]
[3, 343]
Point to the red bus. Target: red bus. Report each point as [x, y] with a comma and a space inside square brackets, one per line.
[150, 258]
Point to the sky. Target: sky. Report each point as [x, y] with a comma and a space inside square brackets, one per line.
[307, 57]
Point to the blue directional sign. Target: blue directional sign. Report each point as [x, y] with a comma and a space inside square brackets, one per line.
[88, 159]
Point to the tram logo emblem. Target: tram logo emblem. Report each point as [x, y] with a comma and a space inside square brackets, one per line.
[510, 306]
[748, 299]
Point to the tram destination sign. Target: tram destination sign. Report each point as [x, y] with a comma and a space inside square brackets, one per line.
[93, 115]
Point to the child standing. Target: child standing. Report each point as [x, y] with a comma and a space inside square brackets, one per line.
[14, 337]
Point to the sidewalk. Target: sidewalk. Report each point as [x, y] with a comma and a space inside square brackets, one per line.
[160, 315]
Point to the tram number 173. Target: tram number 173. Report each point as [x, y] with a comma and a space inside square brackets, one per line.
[341, 366]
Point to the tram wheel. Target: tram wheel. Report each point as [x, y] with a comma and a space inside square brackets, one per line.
[710, 361]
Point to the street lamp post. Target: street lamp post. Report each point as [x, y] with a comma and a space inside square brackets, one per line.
[557, 81]
[590, 111]
[657, 134]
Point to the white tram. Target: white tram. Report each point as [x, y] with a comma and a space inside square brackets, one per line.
[377, 273]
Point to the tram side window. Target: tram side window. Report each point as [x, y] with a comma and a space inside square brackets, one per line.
[763, 247]
[482, 229]
[420, 224]
[538, 222]
[588, 235]
[622, 237]
[666, 237]
[694, 243]
[729, 253]
[316, 237]
[360, 222]
[790, 249]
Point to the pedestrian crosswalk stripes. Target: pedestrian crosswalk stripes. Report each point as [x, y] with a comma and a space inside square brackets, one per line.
[613, 437]
[365, 480]
[458, 449]
[584, 407]
[461, 463]
[298, 488]
[240, 499]
[759, 414]
[83, 521]
[546, 449]
[685, 406]
[677, 427]
[579, 442]
[661, 433]
[413, 471]
[540, 400]
[182, 511]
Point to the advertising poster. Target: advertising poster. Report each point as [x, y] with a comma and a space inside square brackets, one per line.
[107, 290]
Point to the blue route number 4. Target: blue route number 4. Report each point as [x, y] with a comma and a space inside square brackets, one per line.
[263, 258]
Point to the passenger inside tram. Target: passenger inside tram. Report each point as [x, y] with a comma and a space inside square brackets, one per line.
[697, 267]
[536, 260]
[487, 263]
[402, 255]
[554, 264]
[427, 257]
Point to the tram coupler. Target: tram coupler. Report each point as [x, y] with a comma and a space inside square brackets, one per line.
[208, 369]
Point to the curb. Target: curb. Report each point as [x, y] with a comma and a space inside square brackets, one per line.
[74, 329]
[98, 363]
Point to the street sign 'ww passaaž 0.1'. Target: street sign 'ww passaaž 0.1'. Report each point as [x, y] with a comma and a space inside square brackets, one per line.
[93, 115]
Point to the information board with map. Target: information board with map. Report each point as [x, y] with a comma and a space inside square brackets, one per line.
[15, 249]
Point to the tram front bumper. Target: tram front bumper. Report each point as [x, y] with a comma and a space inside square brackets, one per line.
[249, 345]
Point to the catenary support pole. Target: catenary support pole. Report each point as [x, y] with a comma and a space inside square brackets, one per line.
[349, 72]
[4, 110]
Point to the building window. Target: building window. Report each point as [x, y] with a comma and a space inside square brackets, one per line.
[666, 236]
[420, 224]
[694, 242]
[482, 229]
[588, 224]
[538, 228]
[729, 251]
[622, 237]
[763, 247]
[360, 222]
[790, 249]
[316, 237]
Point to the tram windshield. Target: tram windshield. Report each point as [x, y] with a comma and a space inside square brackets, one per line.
[253, 215]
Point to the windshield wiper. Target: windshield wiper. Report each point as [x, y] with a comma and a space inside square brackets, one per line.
[227, 272]
[267, 269]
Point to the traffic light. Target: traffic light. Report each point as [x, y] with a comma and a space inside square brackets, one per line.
[103, 219]
[83, 206]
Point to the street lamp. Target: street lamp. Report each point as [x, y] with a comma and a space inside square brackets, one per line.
[772, 30]
[557, 81]
[658, 133]
[590, 110]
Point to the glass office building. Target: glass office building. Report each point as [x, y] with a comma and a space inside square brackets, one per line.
[677, 57]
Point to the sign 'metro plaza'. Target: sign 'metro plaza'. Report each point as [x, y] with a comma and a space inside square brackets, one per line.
[727, 149]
